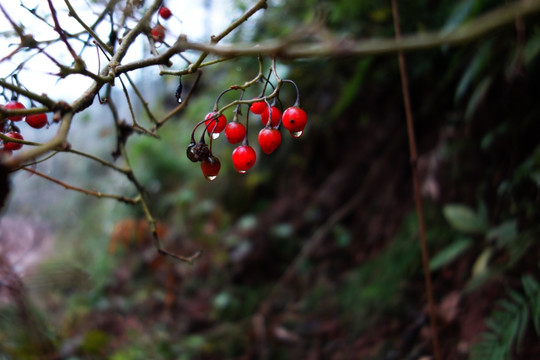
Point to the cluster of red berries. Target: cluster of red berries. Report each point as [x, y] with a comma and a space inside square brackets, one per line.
[8, 128]
[158, 31]
[294, 119]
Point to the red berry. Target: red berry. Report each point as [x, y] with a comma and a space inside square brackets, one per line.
[15, 105]
[269, 139]
[235, 132]
[258, 107]
[275, 116]
[294, 119]
[210, 167]
[165, 12]
[8, 145]
[158, 33]
[243, 158]
[215, 124]
[36, 121]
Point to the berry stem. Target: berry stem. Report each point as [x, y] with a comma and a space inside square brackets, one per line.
[237, 110]
[219, 97]
[269, 108]
[195, 128]
[297, 102]
[267, 78]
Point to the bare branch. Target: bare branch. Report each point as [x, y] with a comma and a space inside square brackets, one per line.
[84, 191]
[503, 16]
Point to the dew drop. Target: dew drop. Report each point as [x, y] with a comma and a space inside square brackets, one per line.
[211, 177]
[215, 135]
[296, 134]
[242, 171]
[179, 99]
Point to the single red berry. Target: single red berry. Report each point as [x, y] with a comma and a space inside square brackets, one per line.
[235, 132]
[275, 116]
[165, 12]
[258, 107]
[37, 121]
[210, 167]
[294, 119]
[215, 124]
[243, 158]
[8, 145]
[15, 105]
[158, 33]
[269, 139]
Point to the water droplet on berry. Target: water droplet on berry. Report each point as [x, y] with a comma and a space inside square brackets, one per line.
[211, 177]
[215, 135]
[296, 134]
[242, 171]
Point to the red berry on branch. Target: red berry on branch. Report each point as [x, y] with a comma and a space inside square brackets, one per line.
[215, 124]
[165, 12]
[37, 121]
[275, 116]
[294, 119]
[235, 132]
[210, 167]
[15, 105]
[258, 107]
[269, 139]
[243, 158]
[158, 33]
[8, 145]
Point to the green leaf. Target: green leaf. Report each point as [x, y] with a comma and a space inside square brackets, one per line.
[351, 89]
[481, 264]
[477, 64]
[532, 48]
[464, 219]
[477, 97]
[504, 233]
[449, 253]
[532, 290]
[460, 13]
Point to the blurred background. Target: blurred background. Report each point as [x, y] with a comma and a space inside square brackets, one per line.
[314, 252]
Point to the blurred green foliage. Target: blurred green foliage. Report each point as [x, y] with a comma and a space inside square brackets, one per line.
[475, 104]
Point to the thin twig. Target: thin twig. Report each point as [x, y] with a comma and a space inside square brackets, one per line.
[62, 34]
[91, 32]
[261, 4]
[84, 191]
[416, 187]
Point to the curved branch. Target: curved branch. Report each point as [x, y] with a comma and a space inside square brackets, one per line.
[472, 30]
[55, 143]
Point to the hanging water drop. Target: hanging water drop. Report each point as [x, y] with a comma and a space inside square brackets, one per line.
[215, 135]
[178, 92]
[297, 134]
[211, 177]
